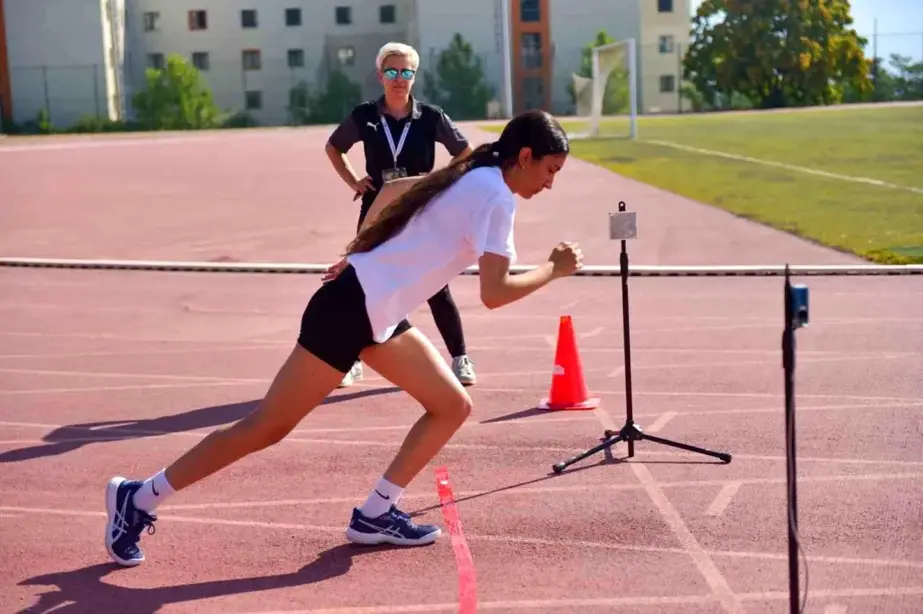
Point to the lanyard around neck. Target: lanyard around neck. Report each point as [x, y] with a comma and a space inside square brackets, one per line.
[395, 151]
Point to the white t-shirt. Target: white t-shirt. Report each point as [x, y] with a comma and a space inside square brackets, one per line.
[473, 216]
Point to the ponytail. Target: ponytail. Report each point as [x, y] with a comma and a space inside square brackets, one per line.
[537, 130]
[396, 215]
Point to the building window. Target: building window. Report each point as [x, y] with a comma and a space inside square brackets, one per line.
[667, 84]
[664, 6]
[387, 13]
[253, 99]
[295, 57]
[344, 15]
[200, 60]
[248, 18]
[155, 60]
[531, 50]
[151, 22]
[251, 59]
[198, 20]
[346, 56]
[293, 17]
[666, 44]
[529, 11]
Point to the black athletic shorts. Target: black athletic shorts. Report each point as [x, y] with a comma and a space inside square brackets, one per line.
[335, 325]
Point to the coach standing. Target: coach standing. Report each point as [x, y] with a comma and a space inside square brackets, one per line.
[399, 136]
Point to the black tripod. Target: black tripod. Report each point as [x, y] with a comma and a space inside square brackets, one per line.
[630, 432]
[796, 316]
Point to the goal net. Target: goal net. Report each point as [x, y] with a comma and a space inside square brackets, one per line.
[607, 99]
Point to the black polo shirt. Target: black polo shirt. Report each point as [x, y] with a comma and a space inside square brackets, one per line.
[429, 125]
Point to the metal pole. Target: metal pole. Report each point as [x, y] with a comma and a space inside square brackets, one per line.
[679, 77]
[788, 363]
[507, 59]
[45, 85]
[96, 89]
[875, 58]
[598, 92]
[633, 85]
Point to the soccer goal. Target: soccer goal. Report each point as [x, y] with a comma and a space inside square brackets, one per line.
[608, 99]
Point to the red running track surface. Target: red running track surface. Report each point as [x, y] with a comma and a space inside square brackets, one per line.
[105, 372]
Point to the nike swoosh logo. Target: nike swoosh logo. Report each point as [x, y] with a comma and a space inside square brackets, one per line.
[382, 496]
[154, 488]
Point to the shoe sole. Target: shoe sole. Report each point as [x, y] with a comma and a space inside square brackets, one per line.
[466, 380]
[374, 539]
[112, 492]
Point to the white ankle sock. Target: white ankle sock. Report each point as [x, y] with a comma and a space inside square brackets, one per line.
[383, 496]
[153, 492]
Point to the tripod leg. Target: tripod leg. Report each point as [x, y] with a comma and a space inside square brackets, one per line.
[724, 456]
[607, 443]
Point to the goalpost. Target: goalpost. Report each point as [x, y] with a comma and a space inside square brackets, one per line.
[609, 98]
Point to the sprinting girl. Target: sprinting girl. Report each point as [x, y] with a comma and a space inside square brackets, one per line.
[453, 218]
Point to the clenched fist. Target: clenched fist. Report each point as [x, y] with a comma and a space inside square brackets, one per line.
[566, 258]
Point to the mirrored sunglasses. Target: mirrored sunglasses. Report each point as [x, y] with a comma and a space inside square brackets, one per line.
[392, 73]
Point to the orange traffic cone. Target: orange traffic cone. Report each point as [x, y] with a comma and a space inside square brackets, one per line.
[568, 388]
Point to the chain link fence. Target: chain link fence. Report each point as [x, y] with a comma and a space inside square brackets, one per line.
[254, 90]
[66, 93]
[249, 89]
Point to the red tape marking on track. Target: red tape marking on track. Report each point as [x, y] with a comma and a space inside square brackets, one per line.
[467, 577]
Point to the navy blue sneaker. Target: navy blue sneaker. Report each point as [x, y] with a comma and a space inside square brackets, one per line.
[125, 522]
[392, 527]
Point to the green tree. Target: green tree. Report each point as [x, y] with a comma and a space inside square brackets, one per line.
[175, 98]
[907, 79]
[882, 89]
[459, 86]
[299, 99]
[776, 54]
[616, 99]
[329, 106]
[336, 101]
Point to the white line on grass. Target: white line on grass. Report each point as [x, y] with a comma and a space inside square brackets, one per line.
[790, 167]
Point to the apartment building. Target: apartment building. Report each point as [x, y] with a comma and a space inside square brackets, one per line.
[252, 53]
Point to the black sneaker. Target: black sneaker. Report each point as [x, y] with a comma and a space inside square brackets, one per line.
[392, 527]
[125, 522]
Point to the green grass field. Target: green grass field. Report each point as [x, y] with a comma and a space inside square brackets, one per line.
[883, 224]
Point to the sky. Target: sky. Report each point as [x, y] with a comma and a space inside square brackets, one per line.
[900, 25]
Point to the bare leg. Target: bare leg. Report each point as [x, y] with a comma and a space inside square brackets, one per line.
[302, 383]
[411, 362]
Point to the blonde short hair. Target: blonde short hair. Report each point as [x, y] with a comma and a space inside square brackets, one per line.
[397, 49]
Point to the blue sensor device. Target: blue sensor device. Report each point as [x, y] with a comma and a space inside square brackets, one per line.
[799, 298]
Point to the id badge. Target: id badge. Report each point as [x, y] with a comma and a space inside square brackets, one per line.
[393, 173]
